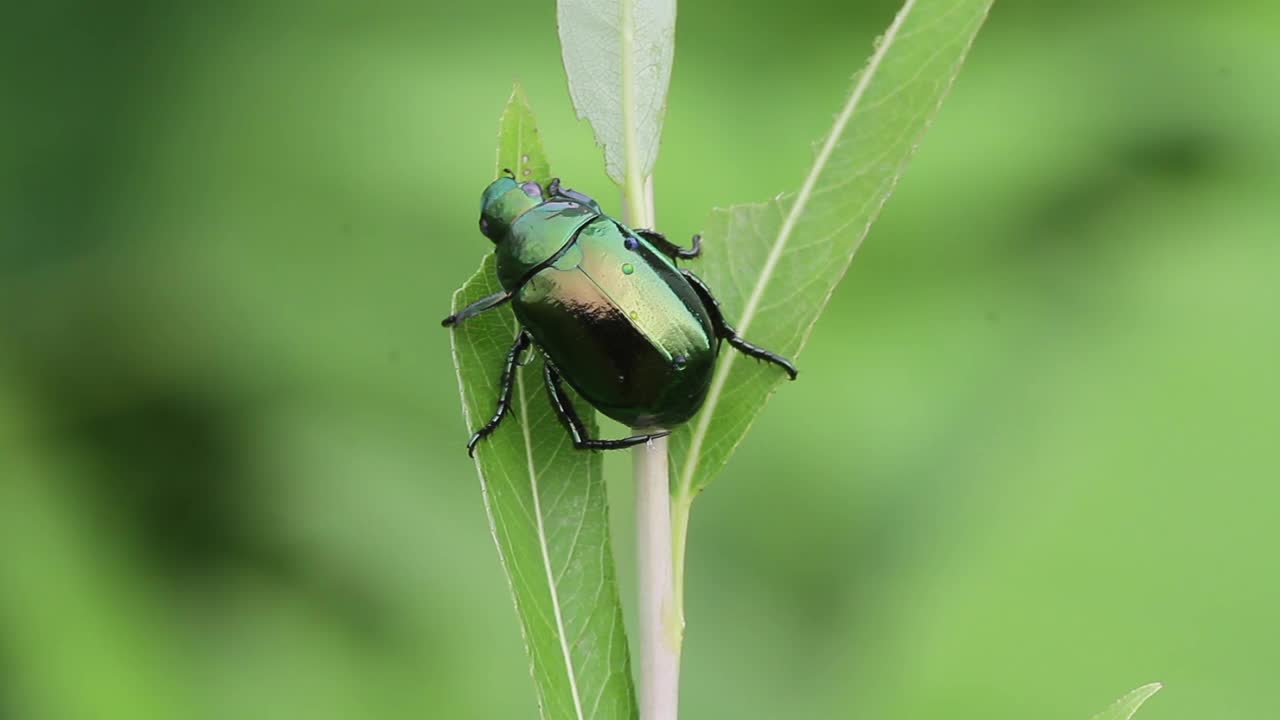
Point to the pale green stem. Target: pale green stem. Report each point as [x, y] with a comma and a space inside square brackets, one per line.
[660, 624]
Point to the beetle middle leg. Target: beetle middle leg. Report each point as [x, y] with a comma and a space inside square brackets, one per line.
[563, 406]
[504, 393]
[726, 332]
[670, 249]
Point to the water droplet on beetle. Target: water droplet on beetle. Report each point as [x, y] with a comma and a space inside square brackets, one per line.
[680, 361]
[633, 315]
[630, 243]
[628, 268]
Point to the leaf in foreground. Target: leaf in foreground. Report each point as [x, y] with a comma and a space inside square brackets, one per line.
[774, 265]
[545, 501]
[618, 54]
[1125, 707]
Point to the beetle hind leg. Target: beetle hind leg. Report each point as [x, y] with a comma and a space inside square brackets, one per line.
[504, 393]
[760, 353]
[726, 332]
[563, 406]
[670, 249]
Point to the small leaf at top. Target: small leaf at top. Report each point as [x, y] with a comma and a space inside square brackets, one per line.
[618, 54]
[1125, 707]
[519, 145]
[545, 500]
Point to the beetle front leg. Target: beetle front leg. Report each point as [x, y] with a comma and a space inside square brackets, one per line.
[563, 406]
[504, 393]
[670, 249]
[555, 190]
[726, 332]
[477, 307]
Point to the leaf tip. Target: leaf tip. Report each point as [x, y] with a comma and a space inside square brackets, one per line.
[1126, 706]
[517, 92]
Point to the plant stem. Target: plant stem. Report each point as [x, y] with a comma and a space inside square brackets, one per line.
[660, 628]
[660, 623]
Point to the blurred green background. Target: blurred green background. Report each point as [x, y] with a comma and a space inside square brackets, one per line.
[1031, 462]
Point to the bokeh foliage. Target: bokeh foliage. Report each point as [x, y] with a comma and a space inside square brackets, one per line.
[1030, 463]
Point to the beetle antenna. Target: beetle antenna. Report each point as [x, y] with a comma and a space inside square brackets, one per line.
[509, 172]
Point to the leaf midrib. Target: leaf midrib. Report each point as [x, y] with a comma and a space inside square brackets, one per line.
[784, 235]
[633, 187]
[542, 546]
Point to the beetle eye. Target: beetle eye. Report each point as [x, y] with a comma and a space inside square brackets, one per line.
[532, 189]
[484, 225]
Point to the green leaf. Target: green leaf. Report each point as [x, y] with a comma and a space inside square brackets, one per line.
[774, 265]
[545, 501]
[1125, 707]
[617, 54]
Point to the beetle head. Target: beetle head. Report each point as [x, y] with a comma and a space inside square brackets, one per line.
[504, 201]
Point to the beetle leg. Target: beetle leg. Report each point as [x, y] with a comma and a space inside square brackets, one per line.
[504, 394]
[725, 331]
[477, 307]
[563, 406]
[670, 249]
[554, 190]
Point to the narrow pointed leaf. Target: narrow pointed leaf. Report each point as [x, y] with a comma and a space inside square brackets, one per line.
[1125, 707]
[545, 501]
[774, 265]
[617, 54]
[519, 145]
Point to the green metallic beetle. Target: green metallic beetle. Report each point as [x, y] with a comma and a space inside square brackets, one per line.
[635, 335]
